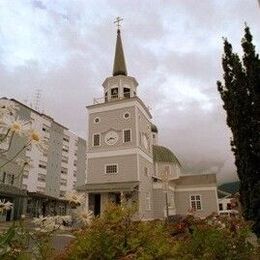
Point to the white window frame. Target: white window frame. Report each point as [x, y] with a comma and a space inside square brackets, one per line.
[171, 200]
[127, 112]
[111, 164]
[130, 135]
[200, 200]
[93, 140]
[148, 199]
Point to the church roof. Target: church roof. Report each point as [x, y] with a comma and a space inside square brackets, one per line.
[119, 61]
[163, 154]
[154, 128]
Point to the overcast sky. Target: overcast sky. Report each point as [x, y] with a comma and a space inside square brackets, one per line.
[173, 49]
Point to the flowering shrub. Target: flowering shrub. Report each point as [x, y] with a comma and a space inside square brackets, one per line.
[215, 237]
[115, 235]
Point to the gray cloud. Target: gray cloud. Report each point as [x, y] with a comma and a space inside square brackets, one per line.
[173, 48]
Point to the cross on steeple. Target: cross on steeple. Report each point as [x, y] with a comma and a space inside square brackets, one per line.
[117, 22]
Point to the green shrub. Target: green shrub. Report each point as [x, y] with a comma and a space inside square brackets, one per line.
[115, 236]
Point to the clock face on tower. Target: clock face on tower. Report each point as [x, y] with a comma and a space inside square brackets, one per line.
[111, 137]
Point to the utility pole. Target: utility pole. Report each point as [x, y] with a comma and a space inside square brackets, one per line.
[165, 179]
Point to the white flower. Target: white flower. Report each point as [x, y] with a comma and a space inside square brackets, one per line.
[5, 205]
[34, 138]
[85, 217]
[16, 126]
[75, 198]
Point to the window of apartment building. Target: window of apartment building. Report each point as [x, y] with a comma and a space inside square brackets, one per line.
[66, 138]
[195, 202]
[3, 177]
[75, 173]
[64, 159]
[42, 165]
[111, 168]
[41, 177]
[74, 185]
[75, 163]
[96, 139]
[127, 135]
[63, 182]
[64, 170]
[147, 201]
[65, 148]
[220, 206]
[45, 128]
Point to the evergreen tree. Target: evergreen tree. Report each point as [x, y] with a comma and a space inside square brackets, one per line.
[240, 93]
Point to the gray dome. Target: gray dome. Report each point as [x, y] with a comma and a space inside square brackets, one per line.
[163, 154]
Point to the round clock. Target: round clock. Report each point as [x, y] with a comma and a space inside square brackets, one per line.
[111, 138]
[145, 140]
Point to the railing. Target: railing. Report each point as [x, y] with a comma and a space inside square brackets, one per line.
[114, 97]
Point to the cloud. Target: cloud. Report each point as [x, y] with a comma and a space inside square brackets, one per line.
[173, 48]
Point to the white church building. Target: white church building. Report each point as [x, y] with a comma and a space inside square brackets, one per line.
[125, 159]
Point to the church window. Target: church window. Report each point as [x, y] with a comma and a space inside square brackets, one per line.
[126, 115]
[195, 202]
[171, 201]
[111, 168]
[114, 93]
[96, 140]
[127, 136]
[220, 205]
[97, 120]
[106, 97]
[126, 92]
[148, 201]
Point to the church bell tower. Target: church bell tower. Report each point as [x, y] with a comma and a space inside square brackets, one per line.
[119, 154]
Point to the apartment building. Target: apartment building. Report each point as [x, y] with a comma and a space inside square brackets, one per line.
[54, 170]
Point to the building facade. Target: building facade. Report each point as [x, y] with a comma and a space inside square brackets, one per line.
[54, 170]
[124, 159]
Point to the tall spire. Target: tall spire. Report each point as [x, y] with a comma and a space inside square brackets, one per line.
[119, 61]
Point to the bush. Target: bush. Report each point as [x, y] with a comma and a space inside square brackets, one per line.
[115, 235]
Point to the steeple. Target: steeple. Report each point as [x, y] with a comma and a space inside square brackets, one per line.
[119, 86]
[119, 61]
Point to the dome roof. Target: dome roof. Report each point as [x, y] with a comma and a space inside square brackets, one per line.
[154, 128]
[163, 154]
